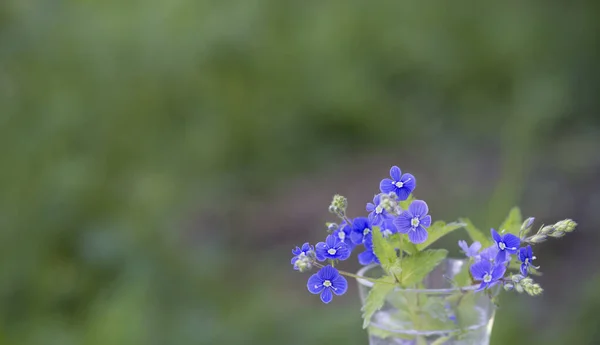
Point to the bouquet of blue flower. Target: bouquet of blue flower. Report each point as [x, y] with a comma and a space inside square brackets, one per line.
[413, 294]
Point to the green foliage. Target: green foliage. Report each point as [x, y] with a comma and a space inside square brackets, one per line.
[383, 249]
[376, 298]
[463, 278]
[437, 230]
[416, 267]
[405, 203]
[476, 234]
[512, 223]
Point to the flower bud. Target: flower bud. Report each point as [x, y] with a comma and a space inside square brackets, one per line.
[567, 225]
[538, 238]
[548, 229]
[331, 227]
[508, 286]
[333, 209]
[526, 227]
[303, 264]
[557, 234]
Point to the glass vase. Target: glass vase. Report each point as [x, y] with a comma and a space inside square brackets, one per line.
[433, 313]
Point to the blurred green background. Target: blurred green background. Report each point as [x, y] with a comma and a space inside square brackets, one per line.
[160, 159]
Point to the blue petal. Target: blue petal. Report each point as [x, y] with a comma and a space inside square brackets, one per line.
[321, 250]
[501, 257]
[498, 272]
[386, 185]
[480, 269]
[296, 251]
[418, 208]
[343, 251]
[463, 245]
[356, 237]
[326, 296]
[366, 257]
[395, 173]
[339, 285]
[402, 222]
[370, 207]
[482, 286]
[294, 259]
[360, 223]
[328, 273]
[512, 243]
[403, 193]
[331, 241]
[529, 252]
[419, 235]
[425, 221]
[474, 248]
[524, 269]
[375, 218]
[306, 247]
[315, 284]
[409, 181]
[496, 236]
[522, 255]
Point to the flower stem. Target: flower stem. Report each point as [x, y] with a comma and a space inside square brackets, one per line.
[352, 275]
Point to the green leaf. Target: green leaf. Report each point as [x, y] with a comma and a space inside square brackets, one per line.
[437, 230]
[463, 278]
[442, 340]
[376, 298]
[512, 223]
[383, 249]
[476, 234]
[416, 267]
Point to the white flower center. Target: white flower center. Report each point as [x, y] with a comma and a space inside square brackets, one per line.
[366, 231]
[399, 184]
[378, 209]
[327, 283]
[342, 235]
[332, 251]
[501, 245]
[415, 222]
[487, 278]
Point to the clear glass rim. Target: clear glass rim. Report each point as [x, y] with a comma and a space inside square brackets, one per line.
[366, 283]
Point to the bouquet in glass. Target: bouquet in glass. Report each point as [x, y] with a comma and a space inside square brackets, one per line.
[413, 294]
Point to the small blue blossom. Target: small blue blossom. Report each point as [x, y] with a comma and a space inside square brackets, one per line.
[332, 249]
[343, 234]
[507, 243]
[414, 222]
[388, 228]
[304, 255]
[400, 184]
[368, 256]
[361, 229]
[378, 214]
[489, 254]
[525, 255]
[327, 281]
[470, 251]
[487, 273]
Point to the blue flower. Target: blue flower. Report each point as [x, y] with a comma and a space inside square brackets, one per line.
[487, 273]
[343, 233]
[327, 281]
[361, 229]
[471, 251]
[332, 248]
[526, 257]
[378, 213]
[304, 254]
[388, 228]
[400, 184]
[507, 243]
[489, 254]
[368, 256]
[414, 222]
